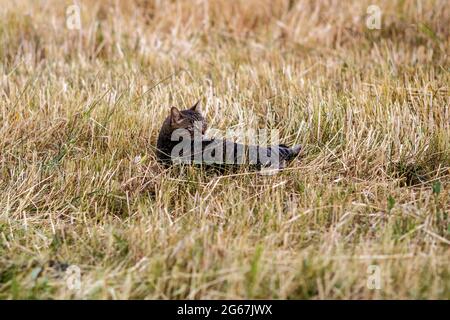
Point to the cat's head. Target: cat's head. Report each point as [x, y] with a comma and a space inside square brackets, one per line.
[190, 119]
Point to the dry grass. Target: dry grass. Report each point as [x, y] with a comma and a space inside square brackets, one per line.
[370, 106]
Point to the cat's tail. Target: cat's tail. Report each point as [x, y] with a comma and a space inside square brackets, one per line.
[289, 154]
[295, 150]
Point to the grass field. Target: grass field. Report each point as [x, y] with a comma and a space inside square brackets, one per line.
[80, 110]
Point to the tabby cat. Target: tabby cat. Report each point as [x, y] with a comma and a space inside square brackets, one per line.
[196, 148]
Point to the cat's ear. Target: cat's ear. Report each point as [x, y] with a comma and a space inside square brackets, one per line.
[175, 116]
[196, 107]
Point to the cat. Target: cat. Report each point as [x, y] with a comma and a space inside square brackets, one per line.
[190, 125]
